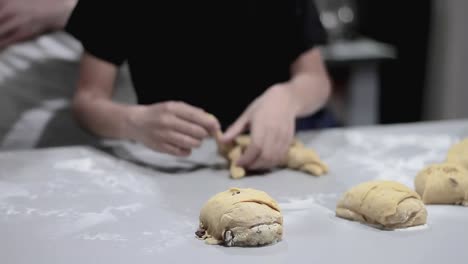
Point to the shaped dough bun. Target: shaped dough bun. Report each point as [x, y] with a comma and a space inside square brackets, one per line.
[241, 217]
[458, 153]
[445, 183]
[382, 204]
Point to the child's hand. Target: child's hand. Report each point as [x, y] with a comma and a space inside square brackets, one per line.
[172, 127]
[25, 19]
[271, 119]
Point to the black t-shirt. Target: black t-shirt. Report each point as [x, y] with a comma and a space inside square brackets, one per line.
[217, 55]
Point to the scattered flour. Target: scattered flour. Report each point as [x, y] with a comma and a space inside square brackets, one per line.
[12, 211]
[413, 228]
[103, 237]
[307, 202]
[376, 142]
[85, 165]
[295, 210]
[166, 239]
[80, 219]
[91, 219]
[371, 151]
[126, 209]
[108, 214]
[162, 238]
[9, 190]
[123, 181]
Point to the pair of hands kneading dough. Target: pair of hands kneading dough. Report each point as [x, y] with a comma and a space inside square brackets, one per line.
[298, 157]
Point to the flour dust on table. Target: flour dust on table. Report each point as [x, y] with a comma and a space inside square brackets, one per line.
[93, 169]
[395, 156]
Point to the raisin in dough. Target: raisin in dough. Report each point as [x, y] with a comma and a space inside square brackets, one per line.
[445, 183]
[458, 153]
[241, 217]
[382, 204]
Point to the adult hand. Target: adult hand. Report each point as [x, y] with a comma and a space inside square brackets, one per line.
[22, 20]
[271, 119]
[172, 127]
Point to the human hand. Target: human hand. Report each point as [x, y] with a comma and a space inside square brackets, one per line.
[22, 20]
[271, 119]
[172, 127]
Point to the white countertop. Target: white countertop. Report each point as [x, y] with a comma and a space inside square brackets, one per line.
[121, 203]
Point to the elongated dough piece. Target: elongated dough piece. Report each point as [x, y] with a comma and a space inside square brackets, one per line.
[382, 204]
[445, 183]
[458, 153]
[305, 159]
[298, 158]
[241, 217]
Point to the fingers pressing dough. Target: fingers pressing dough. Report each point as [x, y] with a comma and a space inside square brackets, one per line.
[241, 217]
[382, 204]
[445, 183]
[299, 157]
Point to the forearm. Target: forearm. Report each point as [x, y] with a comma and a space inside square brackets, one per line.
[309, 86]
[103, 117]
[310, 92]
[61, 12]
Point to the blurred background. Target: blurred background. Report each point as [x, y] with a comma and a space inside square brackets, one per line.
[390, 62]
[404, 59]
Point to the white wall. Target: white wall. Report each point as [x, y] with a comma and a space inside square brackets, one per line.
[447, 82]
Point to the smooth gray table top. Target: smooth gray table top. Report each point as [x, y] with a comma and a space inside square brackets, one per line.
[125, 204]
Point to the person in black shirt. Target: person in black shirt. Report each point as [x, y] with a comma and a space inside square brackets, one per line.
[253, 64]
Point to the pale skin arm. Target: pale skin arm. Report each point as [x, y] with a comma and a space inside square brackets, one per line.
[92, 105]
[23, 20]
[170, 127]
[310, 84]
[271, 117]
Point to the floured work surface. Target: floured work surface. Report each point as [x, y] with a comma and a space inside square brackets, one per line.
[82, 205]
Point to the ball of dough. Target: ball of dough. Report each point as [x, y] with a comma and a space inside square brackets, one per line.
[458, 153]
[382, 204]
[241, 217]
[445, 183]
